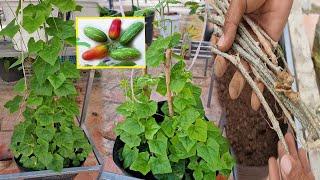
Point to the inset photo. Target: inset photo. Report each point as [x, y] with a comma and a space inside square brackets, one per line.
[110, 42]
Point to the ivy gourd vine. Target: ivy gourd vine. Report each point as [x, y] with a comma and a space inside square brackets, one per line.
[48, 138]
[170, 146]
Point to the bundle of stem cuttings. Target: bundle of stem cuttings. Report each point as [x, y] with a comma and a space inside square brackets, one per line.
[253, 46]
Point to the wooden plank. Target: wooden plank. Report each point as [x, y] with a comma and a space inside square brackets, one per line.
[305, 73]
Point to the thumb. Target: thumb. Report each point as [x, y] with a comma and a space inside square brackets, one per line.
[233, 17]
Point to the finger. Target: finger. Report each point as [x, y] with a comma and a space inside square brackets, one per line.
[304, 160]
[281, 150]
[232, 20]
[237, 82]
[220, 66]
[214, 40]
[253, 5]
[273, 169]
[255, 102]
[291, 145]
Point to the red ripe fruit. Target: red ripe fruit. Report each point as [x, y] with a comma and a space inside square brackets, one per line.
[115, 29]
[97, 52]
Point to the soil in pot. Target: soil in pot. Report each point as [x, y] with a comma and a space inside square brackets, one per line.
[251, 138]
[9, 75]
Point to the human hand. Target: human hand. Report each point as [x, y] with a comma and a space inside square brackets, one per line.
[271, 15]
[292, 167]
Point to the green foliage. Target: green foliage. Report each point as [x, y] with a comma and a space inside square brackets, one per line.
[172, 146]
[10, 30]
[48, 138]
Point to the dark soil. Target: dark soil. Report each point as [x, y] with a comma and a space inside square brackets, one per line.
[251, 138]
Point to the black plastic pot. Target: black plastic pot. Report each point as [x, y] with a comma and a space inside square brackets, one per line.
[56, 177]
[9, 75]
[149, 28]
[118, 145]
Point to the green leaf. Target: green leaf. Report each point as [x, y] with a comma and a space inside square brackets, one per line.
[188, 117]
[198, 131]
[29, 162]
[69, 70]
[151, 127]
[198, 174]
[155, 53]
[46, 133]
[20, 86]
[131, 126]
[208, 153]
[13, 105]
[18, 62]
[126, 108]
[69, 106]
[141, 163]
[57, 80]
[175, 39]
[179, 103]
[50, 51]
[56, 163]
[169, 125]
[44, 115]
[160, 165]
[45, 158]
[209, 176]
[129, 155]
[34, 47]
[67, 88]
[78, 8]
[43, 69]
[187, 143]
[130, 140]
[144, 110]
[158, 146]
[178, 151]
[44, 89]
[162, 88]
[42, 145]
[63, 139]
[60, 28]
[228, 161]
[35, 15]
[65, 5]
[34, 101]
[10, 30]
[25, 149]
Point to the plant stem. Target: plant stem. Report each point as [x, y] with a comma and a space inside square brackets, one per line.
[168, 73]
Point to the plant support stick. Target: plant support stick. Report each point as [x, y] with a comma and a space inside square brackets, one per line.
[168, 73]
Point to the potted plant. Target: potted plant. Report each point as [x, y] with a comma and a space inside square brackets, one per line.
[169, 21]
[148, 13]
[48, 138]
[9, 74]
[171, 139]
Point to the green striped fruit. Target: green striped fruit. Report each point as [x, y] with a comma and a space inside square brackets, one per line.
[130, 33]
[125, 54]
[95, 34]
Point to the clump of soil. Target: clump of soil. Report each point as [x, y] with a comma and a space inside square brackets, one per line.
[251, 138]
